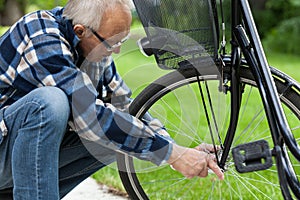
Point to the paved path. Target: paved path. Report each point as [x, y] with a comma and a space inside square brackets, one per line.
[90, 190]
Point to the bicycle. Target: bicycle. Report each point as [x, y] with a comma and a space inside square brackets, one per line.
[209, 83]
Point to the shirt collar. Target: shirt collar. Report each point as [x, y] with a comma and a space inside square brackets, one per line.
[66, 27]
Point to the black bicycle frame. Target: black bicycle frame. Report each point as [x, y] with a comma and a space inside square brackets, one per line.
[254, 54]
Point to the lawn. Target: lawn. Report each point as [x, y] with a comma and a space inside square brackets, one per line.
[138, 71]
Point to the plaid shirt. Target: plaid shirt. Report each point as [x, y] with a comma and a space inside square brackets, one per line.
[41, 50]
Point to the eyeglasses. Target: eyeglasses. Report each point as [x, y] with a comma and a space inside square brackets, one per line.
[108, 46]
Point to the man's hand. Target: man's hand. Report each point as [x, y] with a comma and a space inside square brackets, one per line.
[194, 162]
[209, 148]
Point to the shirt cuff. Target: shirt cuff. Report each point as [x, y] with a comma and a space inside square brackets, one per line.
[161, 150]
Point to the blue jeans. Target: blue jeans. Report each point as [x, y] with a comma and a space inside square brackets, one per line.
[39, 157]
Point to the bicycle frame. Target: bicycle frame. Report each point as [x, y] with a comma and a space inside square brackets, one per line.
[254, 54]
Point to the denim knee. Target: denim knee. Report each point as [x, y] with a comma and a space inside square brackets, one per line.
[54, 103]
[54, 100]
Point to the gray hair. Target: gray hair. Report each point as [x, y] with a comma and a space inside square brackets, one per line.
[89, 12]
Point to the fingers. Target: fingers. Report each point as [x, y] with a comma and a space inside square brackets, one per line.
[215, 168]
[211, 160]
[202, 168]
[208, 147]
[191, 162]
[204, 172]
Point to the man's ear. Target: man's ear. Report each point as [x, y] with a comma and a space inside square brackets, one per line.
[79, 30]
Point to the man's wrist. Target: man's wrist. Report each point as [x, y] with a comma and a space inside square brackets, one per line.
[177, 152]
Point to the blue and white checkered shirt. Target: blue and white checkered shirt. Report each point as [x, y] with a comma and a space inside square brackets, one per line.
[41, 50]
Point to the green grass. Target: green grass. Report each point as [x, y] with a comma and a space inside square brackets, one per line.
[290, 64]
[3, 29]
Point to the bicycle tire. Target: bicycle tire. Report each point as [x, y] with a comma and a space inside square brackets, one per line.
[135, 174]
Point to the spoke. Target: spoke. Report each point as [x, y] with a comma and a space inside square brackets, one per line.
[229, 185]
[194, 132]
[264, 180]
[295, 128]
[244, 180]
[174, 127]
[205, 106]
[213, 116]
[165, 181]
[245, 105]
[246, 129]
[167, 184]
[185, 187]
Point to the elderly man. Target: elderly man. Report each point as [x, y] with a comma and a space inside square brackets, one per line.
[58, 121]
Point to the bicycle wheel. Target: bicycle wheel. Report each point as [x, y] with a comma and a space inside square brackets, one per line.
[174, 99]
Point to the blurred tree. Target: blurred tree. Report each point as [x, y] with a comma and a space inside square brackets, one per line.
[272, 13]
[47, 4]
[285, 38]
[258, 4]
[12, 10]
[268, 13]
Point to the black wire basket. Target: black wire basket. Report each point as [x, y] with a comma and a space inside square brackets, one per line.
[180, 32]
